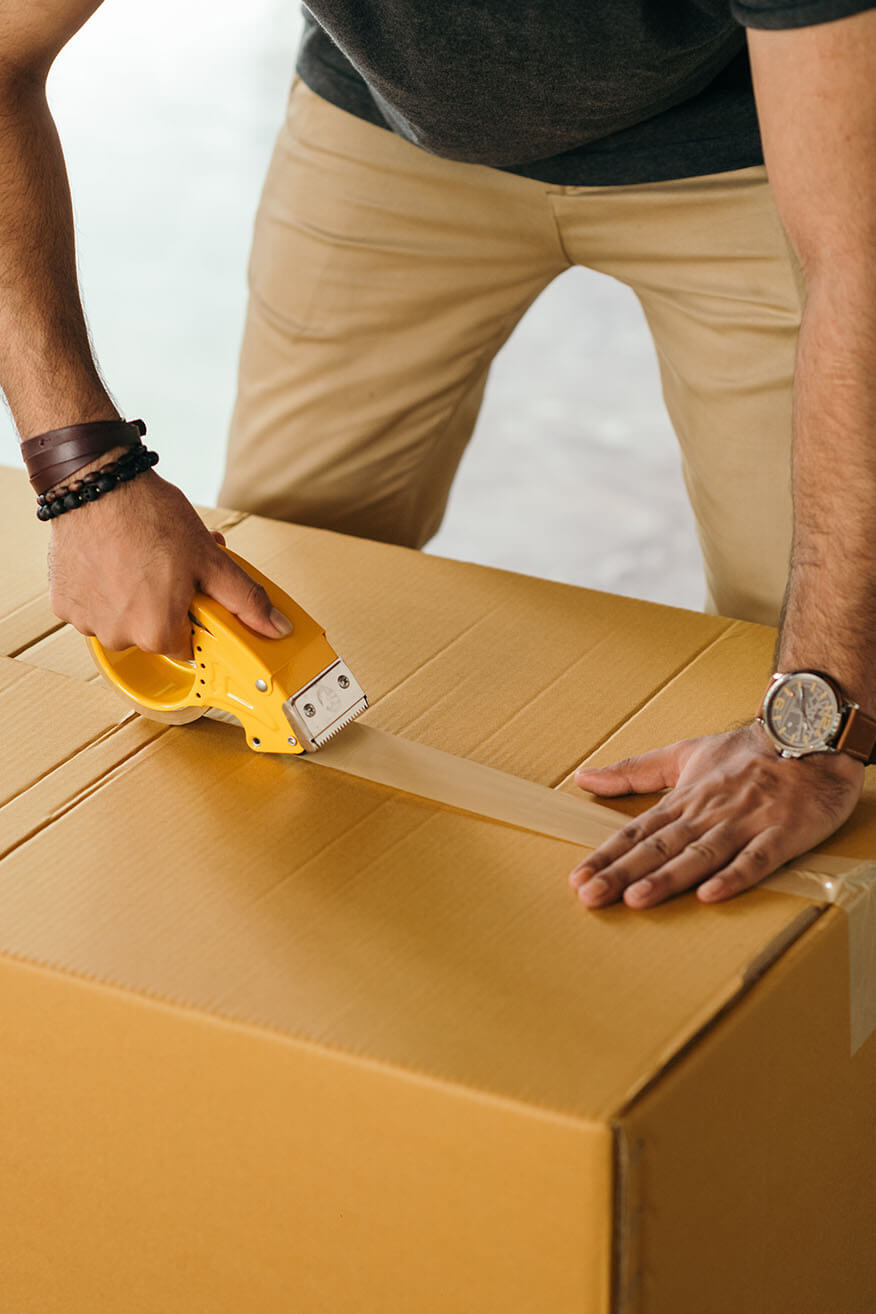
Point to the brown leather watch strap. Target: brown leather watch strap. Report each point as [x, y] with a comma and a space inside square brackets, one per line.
[858, 736]
[52, 457]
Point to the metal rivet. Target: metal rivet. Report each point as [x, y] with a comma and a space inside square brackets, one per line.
[256, 742]
[344, 681]
[293, 741]
[261, 686]
[309, 709]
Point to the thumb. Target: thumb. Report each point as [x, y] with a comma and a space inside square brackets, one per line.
[644, 774]
[248, 601]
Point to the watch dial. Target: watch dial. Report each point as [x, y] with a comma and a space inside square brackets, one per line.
[803, 712]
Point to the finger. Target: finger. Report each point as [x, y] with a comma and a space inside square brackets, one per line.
[179, 644]
[79, 622]
[644, 774]
[633, 868]
[219, 537]
[677, 849]
[637, 830]
[112, 641]
[759, 858]
[227, 583]
[173, 639]
[653, 853]
[696, 860]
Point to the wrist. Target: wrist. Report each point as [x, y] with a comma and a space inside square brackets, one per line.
[806, 712]
[829, 632]
[111, 513]
[856, 684]
[108, 476]
[68, 467]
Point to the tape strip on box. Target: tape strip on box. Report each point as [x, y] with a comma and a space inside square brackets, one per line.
[428, 773]
[851, 886]
[412, 768]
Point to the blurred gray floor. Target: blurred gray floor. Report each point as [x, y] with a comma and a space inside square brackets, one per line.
[167, 113]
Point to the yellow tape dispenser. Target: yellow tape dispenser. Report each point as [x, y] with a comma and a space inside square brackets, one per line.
[291, 694]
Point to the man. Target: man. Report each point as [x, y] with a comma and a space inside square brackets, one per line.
[438, 167]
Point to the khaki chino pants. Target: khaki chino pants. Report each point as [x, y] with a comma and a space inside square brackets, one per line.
[383, 280]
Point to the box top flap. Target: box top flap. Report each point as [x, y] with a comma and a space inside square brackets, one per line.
[344, 914]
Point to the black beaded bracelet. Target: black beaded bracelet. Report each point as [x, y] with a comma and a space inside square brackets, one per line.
[137, 460]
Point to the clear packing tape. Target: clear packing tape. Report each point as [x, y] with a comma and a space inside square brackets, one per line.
[470, 787]
[851, 885]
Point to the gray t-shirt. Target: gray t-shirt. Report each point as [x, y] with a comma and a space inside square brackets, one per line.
[565, 91]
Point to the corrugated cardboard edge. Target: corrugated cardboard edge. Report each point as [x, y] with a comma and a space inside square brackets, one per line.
[825, 882]
[296, 1042]
[628, 1206]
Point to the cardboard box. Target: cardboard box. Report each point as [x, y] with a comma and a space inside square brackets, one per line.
[278, 1039]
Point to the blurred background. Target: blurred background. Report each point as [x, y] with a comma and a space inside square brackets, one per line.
[167, 111]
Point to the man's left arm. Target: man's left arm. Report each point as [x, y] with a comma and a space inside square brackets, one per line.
[736, 811]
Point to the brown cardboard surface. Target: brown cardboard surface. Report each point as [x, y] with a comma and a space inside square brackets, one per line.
[340, 913]
[759, 1149]
[64, 652]
[190, 1166]
[278, 1037]
[47, 720]
[59, 738]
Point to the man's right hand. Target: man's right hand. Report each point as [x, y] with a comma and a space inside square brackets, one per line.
[126, 567]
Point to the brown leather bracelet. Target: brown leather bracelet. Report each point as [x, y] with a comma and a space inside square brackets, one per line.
[53, 456]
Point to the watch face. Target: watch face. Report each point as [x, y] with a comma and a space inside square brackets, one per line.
[803, 712]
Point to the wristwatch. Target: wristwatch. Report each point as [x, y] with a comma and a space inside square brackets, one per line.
[807, 712]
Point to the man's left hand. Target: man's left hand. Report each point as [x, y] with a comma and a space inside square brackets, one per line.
[736, 812]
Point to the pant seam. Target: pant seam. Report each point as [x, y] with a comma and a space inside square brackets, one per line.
[570, 263]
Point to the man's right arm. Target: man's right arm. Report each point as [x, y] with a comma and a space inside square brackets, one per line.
[46, 367]
[127, 566]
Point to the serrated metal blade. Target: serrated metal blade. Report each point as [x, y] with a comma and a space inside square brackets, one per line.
[339, 725]
[323, 707]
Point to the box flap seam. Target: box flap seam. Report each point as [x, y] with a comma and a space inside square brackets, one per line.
[649, 698]
[87, 790]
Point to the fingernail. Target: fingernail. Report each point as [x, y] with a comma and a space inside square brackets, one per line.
[639, 892]
[595, 889]
[280, 622]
